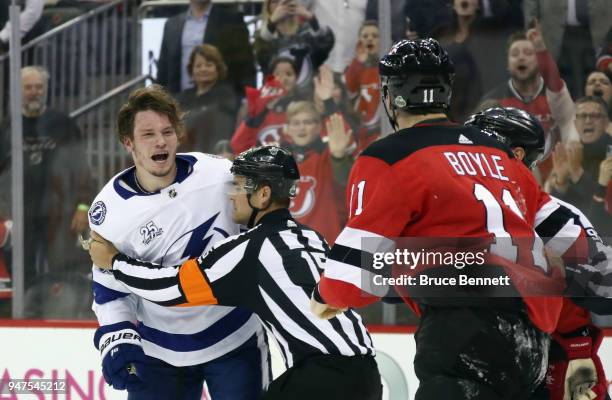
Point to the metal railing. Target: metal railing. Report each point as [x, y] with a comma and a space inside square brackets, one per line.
[91, 60]
[86, 57]
[97, 121]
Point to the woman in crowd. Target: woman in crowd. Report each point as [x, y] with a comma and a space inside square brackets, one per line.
[212, 104]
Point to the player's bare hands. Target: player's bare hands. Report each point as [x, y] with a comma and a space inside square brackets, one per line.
[338, 134]
[79, 222]
[101, 251]
[324, 311]
[535, 36]
[605, 172]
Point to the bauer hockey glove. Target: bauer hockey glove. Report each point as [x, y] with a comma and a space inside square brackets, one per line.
[123, 360]
[575, 371]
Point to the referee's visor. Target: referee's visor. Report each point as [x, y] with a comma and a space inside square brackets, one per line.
[241, 185]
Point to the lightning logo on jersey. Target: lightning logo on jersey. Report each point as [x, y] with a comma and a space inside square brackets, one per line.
[167, 230]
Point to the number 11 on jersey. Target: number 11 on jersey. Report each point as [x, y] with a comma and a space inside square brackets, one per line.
[496, 225]
[359, 205]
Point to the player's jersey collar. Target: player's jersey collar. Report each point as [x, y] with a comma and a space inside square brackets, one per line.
[126, 186]
[435, 122]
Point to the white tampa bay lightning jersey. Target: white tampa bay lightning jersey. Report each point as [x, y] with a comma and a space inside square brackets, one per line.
[181, 221]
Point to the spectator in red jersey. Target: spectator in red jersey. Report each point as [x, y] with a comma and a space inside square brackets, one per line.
[362, 80]
[331, 96]
[576, 168]
[536, 87]
[323, 168]
[267, 106]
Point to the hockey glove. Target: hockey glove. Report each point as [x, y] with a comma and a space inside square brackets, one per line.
[123, 360]
[575, 371]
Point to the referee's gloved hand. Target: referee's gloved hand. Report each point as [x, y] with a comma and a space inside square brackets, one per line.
[123, 360]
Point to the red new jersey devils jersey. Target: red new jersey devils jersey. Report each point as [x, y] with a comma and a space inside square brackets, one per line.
[441, 180]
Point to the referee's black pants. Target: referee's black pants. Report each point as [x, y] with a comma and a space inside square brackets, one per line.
[328, 376]
[478, 353]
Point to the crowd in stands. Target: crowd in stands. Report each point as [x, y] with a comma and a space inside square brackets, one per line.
[320, 92]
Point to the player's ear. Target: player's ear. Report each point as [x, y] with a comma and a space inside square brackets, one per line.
[128, 144]
[265, 195]
[519, 153]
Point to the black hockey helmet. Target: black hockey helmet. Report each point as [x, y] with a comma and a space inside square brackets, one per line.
[417, 76]
[271, 165]
[516, 128]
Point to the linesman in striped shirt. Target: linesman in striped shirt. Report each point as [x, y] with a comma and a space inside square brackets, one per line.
[272, 270]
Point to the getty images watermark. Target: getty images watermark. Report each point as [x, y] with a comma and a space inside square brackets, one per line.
[403, 258]
[441, 267]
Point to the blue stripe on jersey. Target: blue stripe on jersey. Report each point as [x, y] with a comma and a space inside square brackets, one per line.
[200, 340]
[102, 294]
[184, 167]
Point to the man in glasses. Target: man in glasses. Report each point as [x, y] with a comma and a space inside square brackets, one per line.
[576, 169]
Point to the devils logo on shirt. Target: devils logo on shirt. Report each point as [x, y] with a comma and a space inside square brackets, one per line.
[304, 200]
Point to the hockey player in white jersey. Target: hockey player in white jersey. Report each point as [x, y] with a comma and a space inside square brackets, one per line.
[165, 209]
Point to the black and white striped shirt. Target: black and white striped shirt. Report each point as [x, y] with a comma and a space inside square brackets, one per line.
[272, 270]
[589, 284]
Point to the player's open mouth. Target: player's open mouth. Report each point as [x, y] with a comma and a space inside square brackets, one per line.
[598, 92]
[160, 157]
[522, 68]
[465, 5]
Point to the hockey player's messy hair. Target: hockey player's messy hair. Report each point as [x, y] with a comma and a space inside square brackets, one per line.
[151, 98]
